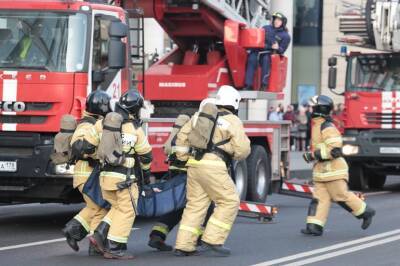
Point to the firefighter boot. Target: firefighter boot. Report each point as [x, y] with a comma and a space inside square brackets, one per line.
[93, 250]
[367, 217]
[74, 232]
[313, 229]
[116, 250]
[99, 238]
[216, 250]
[182, 253]
[158, 242]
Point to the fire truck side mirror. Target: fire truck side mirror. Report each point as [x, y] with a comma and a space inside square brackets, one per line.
[117, 48]
[332, 78]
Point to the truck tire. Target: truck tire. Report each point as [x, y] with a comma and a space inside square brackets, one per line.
[259, 174]
[376, 181]
[240, 178]
[357, 179]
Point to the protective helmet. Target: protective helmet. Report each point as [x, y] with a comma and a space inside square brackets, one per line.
[132, 101]
[322, 106]
[98, 103]
[228, 96]
[205, 101]
[280, 16]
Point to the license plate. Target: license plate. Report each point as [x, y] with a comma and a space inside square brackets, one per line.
[389, 150]
[8, 166]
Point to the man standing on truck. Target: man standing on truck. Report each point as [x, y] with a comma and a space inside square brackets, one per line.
[84, 143]
[330, 172]
[277, 40]
[127, 145]
[208, 177]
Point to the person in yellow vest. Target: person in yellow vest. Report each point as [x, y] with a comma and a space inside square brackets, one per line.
[330, 172]
[84, 142]
[117, 225]
[209, 180]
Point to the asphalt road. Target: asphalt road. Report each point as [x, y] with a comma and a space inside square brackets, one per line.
[23, 228]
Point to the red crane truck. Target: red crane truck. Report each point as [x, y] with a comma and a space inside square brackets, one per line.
[61, 50]
[371, 97]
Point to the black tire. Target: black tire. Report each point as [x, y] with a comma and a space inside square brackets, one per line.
[357, 178]
[376, 181]
[259, 174]
[241, 178]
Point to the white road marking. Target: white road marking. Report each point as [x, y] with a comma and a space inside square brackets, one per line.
[345, 251]
[328, 248]
[38, 243]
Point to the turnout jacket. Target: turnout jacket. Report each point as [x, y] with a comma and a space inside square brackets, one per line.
[229, 128]
[134, 141]
[326, 147]
[89, 131]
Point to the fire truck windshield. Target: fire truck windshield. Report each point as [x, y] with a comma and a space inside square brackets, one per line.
[375, 72]
[45, 41]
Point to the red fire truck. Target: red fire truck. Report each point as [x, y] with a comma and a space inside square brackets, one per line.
[53, 53]
[371, 97]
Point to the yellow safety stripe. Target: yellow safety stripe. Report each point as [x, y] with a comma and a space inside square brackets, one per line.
[142, 146]
[161, 228]
[82, 222]
[315, 221]
[182, 149]
[26, 44]
[116, 175]
[129, 162]
[145, 166]
[329, 174]
[220, 224]
[192, 230]
[107, 220]
[324, 150]
[361, 210]
[117, 239]
[206, 162]
[333, 140]
[177, 168]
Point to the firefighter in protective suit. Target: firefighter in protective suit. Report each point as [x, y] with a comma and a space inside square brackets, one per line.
[167, 222]
[209, 180]
[84, 142]
[111, 237]
[330, 172]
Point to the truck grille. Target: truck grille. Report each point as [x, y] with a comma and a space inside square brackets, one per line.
[382, 119]
[29, 119]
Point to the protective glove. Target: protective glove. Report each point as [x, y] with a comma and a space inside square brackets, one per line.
[146, 176]
[308, 157]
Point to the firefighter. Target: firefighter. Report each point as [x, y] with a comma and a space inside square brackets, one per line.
[84, 142]
[167, 222]
[118, 182]
[209, 181]
[277, 40]
[330, 172]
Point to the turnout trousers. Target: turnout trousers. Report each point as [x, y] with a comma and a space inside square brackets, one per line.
[206, 184]
[337, 191]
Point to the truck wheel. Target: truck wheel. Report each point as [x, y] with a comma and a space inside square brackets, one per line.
[240, 177]
[259, 174]
[376, 181]
[357, 179]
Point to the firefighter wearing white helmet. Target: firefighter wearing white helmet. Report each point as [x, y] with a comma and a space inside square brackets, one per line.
[209, 180]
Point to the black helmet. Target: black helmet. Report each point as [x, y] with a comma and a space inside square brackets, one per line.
[132, 101]
[322, 106]
[280, 16]
[98, 103]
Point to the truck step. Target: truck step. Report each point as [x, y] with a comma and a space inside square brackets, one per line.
[262, 212]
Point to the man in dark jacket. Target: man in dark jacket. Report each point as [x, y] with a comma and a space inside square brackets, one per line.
[277, 40]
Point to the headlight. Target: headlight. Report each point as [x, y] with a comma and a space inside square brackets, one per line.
[350, 149]
[349, 139]
[61, 169]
